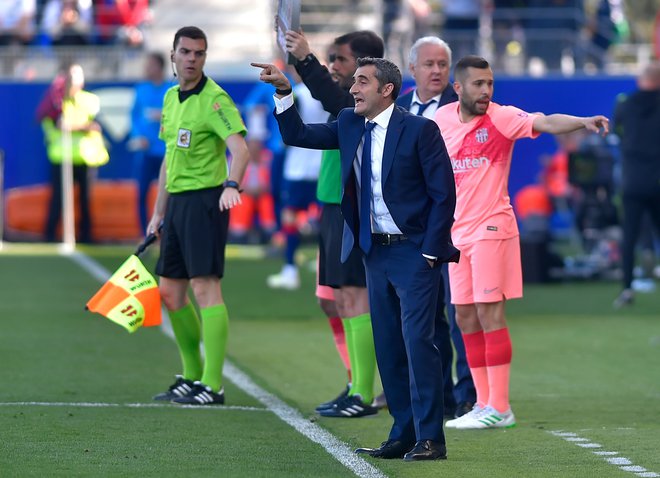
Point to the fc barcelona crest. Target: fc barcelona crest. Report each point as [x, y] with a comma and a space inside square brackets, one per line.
[482, 135]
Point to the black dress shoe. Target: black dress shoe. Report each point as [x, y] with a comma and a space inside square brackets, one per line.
[463, 408]
[427, 450]
[388, 449]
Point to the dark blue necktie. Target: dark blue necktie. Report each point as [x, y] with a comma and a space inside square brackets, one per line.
[365, 190]
[423, 106]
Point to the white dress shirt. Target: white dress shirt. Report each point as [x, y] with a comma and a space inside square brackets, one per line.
[381, 219]
[428, 112]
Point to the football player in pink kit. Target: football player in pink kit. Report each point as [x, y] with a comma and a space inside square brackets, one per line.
[480, 136]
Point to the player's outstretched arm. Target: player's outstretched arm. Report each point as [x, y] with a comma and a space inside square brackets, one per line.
[561, 123]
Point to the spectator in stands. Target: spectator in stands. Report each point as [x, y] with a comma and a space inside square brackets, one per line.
[122, 21]
[68, 22]
[461, 27]
[552, 27]
[16, 29]
[145, 125]
[17, 21]
[602, 33]
[67, 109]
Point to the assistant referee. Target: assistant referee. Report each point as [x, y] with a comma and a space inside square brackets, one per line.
[196, 189]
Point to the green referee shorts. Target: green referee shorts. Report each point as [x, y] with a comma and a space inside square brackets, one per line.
[194, 235]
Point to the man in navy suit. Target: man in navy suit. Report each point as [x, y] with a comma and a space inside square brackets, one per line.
[429, 63]
[398, 205]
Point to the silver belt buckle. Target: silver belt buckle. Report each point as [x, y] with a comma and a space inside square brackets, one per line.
[389, 239]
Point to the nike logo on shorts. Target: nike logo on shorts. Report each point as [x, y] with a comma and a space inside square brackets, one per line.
[489, 291]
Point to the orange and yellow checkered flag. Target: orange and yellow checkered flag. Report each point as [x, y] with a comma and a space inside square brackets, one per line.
[130, 297]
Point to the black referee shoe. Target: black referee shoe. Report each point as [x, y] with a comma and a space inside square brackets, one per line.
[350, 407]
[180, 388]
[331, 403]
[202, 395]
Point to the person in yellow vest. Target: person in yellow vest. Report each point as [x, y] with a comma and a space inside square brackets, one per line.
[68, 109]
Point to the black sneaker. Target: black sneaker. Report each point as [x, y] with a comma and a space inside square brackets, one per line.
[202, 395]
[180, 388]
[329, 404]
[350, 407]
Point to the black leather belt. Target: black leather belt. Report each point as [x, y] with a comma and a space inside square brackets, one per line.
[387, 239]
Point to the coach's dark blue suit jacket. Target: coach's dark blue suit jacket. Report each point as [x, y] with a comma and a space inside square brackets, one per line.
[417, 180]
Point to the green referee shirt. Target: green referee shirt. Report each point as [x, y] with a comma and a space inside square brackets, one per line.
[194, 126]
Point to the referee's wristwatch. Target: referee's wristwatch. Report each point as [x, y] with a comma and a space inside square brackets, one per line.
[233, 184]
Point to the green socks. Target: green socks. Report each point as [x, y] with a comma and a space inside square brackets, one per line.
[362, 354]
[185, 325]
[215, 324]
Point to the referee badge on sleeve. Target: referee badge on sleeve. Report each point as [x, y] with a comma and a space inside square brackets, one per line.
[183, 138]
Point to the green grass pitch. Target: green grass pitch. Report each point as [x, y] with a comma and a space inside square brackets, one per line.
[579, 367]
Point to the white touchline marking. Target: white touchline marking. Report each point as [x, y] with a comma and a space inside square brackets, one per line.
[127, 405]
[292, 417]
[623, 463]
[619, 460]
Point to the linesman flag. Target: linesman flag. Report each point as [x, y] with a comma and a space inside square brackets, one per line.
[130, 297]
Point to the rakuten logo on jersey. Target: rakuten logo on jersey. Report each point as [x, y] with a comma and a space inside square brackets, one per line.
[466, 164]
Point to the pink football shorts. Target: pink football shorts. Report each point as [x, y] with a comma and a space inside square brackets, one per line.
[488, 271]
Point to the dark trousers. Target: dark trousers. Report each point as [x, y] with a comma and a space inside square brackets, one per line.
[447, 332]
[277, 184]
[403, 294]
[634, 206]
[147, 170]
[80, 176]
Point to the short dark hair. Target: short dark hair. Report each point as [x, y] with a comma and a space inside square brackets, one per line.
[159, 58]
[190, 32]
[470, 61]
[363, 43]
[386, 72]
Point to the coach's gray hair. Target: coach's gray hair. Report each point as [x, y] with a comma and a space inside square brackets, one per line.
[430, 40]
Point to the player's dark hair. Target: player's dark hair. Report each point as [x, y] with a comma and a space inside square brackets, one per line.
[362, 43]
[470, 61]
[386, 72]
[190, 32]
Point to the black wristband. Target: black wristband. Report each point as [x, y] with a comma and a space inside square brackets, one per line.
[233, 184]
[286, 92]
[307, 60]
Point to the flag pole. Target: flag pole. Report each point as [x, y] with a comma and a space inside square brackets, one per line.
[68, 212]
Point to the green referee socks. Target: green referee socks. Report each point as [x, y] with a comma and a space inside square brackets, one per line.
[215, 324]
[185, 325]
[362, 354]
